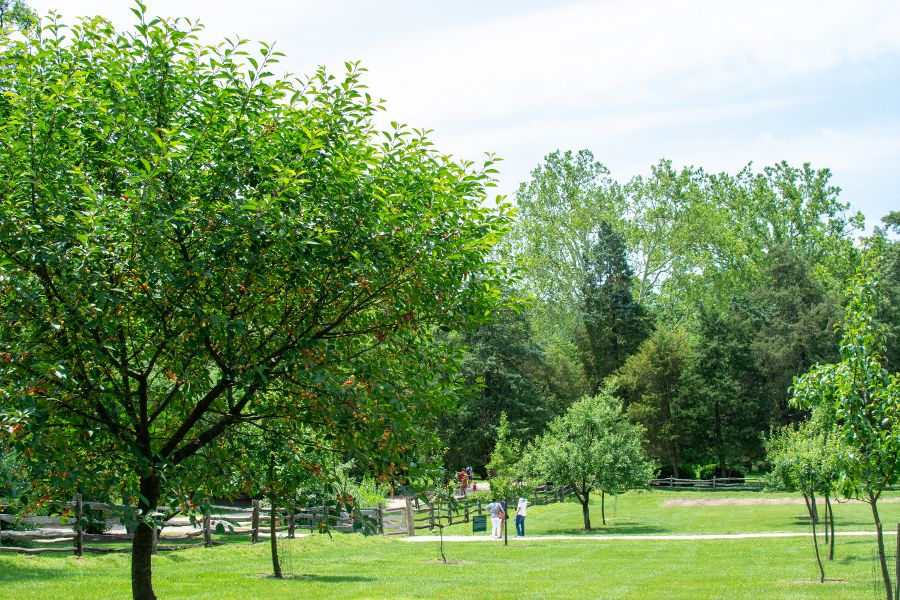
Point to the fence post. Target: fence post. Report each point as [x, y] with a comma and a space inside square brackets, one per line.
[431, 517]
[291, 519]
[207, 525]
[79, 529]
[896, 566]
[254, 523]
[155, 546]
[714, 482]
[379, 516]
[410, 519]
[467, 511]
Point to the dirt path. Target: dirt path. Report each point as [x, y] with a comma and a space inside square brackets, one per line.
[750, 501]
[604, 538]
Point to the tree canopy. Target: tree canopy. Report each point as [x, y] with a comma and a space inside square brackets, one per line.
[592, 447]
[184, 235]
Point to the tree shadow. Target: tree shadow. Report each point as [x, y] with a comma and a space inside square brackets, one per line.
[14, 572]
[609, 530]
[322, 578]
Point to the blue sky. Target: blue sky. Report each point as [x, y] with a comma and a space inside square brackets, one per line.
[709, 83]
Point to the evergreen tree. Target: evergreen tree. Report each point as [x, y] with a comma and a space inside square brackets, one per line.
[509, 365]
[614, 323]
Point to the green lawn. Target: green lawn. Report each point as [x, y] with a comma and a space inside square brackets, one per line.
[646, 513]
[351, 566]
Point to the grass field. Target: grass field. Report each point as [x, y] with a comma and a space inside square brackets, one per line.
[351, 566]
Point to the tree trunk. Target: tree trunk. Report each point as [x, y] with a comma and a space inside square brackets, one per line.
[831, 520]
[811, 507]
[818, 557]
[276, 563]
[720, 442]
[142, 545]
[675, 459]
[603, 506]
[586, 512]
[885, 575]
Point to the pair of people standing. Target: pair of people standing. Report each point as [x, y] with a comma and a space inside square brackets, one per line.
[498, 514]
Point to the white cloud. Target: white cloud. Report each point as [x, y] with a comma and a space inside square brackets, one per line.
[699, 81]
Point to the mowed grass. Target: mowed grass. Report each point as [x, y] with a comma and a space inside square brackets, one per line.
[651, 513]
[351, 566]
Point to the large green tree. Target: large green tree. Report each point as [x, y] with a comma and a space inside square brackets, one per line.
[889, 298]
[181, 233]
[591, 448]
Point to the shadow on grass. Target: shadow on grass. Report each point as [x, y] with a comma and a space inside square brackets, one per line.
[25, 573]
[321, 578]
[616, 530]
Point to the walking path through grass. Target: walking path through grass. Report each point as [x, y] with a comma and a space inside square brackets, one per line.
[604, 538]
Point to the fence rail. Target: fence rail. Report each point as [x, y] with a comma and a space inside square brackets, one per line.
[221, 520]
[716, 483]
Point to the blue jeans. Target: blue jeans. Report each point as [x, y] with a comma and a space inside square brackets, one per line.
[520, 525]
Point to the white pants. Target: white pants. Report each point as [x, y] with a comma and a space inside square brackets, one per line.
[495, 526]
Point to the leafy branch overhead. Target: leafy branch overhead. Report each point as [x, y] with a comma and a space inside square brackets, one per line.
[188, 243]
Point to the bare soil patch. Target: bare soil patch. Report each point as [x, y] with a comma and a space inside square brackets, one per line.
[746, 501]
[449, 561]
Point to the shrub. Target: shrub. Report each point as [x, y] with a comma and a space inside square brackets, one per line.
[684, 472]
[712, 470]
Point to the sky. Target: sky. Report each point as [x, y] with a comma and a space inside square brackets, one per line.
[709, 83]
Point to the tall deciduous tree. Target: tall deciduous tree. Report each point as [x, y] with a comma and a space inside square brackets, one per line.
[593, 447]
[559, 209]
[16, 13]
[181, 232]
[862, 399]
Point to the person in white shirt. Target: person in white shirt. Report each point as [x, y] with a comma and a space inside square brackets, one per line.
[521, 511]
[495, 509]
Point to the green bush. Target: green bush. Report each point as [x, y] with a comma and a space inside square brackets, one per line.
[712, 470]
[684, 472]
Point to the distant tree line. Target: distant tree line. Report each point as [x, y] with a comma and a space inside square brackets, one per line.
[693, 297]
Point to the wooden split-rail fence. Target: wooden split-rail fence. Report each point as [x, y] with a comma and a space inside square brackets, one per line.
[428, 515]
[218, 520]
[734, 484]
[69, 528]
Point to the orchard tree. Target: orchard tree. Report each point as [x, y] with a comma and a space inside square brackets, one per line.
[182, 233]
[593, 447]
[862, 399]
[804, 459]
